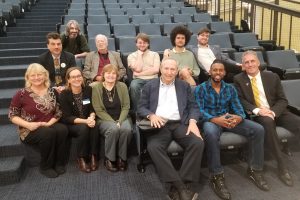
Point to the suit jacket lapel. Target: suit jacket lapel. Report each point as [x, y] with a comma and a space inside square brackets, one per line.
[265, 85]
[248, 88]
[179, 93]
[155, 94]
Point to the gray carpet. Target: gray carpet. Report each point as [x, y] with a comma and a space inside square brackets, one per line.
[133, 185]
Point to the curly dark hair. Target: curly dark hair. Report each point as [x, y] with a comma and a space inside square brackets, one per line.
[180, 30]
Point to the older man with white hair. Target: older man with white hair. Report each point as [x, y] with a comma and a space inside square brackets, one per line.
[96, 60]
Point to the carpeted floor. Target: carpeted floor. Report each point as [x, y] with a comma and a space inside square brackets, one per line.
[133, 185]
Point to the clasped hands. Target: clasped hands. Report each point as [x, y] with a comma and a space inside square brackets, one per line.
[227, 121]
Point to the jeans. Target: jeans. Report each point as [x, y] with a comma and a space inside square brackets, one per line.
[136, 86]
[253, 131]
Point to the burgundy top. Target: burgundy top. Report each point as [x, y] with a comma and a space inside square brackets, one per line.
[33, 108]
[103, 60]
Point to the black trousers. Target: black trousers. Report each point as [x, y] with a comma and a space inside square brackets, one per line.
[157, 145]
[52, 144]
[286, 120]
[87, 139]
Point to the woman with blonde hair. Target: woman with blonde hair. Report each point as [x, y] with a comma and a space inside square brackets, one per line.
[79, 115]
[36, 112]
[111, 104]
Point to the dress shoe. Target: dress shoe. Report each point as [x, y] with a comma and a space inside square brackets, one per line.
[173, 194]
[285, 176]
[60, 169]
[83, 166]
[258, 179]
[217, 182]
[186, 194]
[49, 173]
[122, 165]
[110, 166]
[94, 163]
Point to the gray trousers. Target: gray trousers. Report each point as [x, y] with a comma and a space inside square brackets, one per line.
[116, 139]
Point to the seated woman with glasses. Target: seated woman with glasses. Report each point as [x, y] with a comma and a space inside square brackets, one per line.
[111, 104]
[36, 111]
[79, 115]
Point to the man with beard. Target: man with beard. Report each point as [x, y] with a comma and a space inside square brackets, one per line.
[144, 65]
[206, 54]
[75, 42]
[222, 111]
[187, 64]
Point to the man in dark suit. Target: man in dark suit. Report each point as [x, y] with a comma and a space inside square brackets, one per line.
[261, 93]
[56, 61]
[170, 106]
[205, 55]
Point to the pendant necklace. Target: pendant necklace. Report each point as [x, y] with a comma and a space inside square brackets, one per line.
[109, 93]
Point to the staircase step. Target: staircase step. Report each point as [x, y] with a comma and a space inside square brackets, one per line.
[33, 28]
[15, 39]
[22, 52]
[23, 44]
[11, 170]
[43, 17]
[34, 24]
[45, 14]
[10, 144]
[4, 119]
[28, 33]
[11, 82]
[17, 61]
[46, 21]
[6, 96]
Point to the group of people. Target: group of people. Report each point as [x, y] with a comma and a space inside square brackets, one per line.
[184, 97]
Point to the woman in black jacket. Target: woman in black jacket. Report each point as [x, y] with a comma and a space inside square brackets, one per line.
[79, 115]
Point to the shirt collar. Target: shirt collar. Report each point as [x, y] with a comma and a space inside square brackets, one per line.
[162, 84]
[223, 85]
[257, 76]
[199, 46]
[178, 52]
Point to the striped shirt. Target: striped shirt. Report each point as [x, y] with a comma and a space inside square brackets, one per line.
[212, 104]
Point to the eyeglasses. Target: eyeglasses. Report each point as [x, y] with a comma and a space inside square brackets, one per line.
[76, 77]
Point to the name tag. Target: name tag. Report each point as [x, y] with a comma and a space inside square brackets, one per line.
[86, 101]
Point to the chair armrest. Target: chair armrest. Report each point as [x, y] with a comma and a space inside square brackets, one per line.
[279, 71]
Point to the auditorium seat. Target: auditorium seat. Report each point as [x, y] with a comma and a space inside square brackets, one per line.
[111, 44]
[162, 18]
[237, 56]
[182, 18]
[246, 41]
[202, 17]
[284, 63]
[119, 19]
[167, 27]
[188, 10]
[223, 40]
[291, 88]
[81, 19]
[219, 27]
[171, 10]
[159, 44]
[114, 11]
[129, 5]
[194, 27]
[134, 11]
[97, 19]
[138, 19]
[152, 11]
[143, 5]
[95, 29]
[96, 11]
[150, 29]
[124, 30]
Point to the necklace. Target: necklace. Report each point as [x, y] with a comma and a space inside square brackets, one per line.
[109, 94]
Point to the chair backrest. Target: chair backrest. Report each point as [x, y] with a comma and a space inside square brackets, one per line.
[138, 19]
[125, 1]
[143, 5]
[111, 44]
[95, 29]
[81, 19]
[160, 43]
[82, 27]
[126, 44]
[124, 30]
[171, 10]
[183, 18]
[188, 10]
[114, 11]
[222, 39]
[96, 12]
[162, 5]
[112, 5]
[95, 6]
[177, 4]
[150, 29]
[284, 59]
[162, 18]
[119, 19]
[220, 27]
[97, 1]
[202, 17]
[291, 90]
[77, 6]
[167, 27]
[152, 11]
[129, 5]
[194, 27]
[245, 39]
[134, 11]
[237, 56]
[97, 19]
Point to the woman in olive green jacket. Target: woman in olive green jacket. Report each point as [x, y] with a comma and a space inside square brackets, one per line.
[111, 104]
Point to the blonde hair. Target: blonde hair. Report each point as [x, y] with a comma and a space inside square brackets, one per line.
[36, 68]
[109, 68]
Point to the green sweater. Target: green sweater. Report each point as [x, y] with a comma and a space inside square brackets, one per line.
[184, 59]
[100, 110]
[75, 46]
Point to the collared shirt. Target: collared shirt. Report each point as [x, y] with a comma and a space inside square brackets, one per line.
[262, 95]
[205, 57]
[150, 59]
[212, 104]
[167, 102]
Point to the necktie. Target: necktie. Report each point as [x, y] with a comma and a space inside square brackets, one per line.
[255, 91]
[58, 79]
